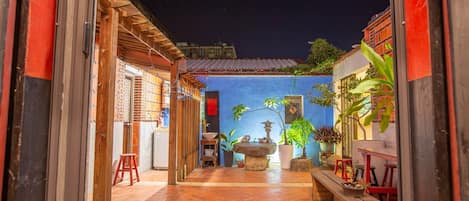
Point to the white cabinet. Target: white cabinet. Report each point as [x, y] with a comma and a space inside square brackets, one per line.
[160, 148]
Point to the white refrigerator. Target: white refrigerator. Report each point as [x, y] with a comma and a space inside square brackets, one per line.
[160, 148]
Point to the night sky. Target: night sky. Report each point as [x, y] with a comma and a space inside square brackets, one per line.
[266, 28]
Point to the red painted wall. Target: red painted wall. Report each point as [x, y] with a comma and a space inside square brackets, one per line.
[10, 28]
[40, 39]
[417, 39]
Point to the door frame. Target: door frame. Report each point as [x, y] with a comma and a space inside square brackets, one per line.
[69, 113]
[129, 145]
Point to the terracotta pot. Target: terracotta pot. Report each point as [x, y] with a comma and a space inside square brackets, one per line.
[286, 154]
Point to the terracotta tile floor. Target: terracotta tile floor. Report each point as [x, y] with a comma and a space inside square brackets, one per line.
[224, 184]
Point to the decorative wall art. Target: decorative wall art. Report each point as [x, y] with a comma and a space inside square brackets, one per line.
[294, 108]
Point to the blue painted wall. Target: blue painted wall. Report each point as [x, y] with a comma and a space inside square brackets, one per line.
[252, 90]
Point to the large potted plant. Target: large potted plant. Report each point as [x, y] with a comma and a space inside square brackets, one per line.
[227, 142]
[272, 104]
[327, 137]
[300, 131]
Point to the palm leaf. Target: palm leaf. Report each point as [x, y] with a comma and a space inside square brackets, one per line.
[374, 58]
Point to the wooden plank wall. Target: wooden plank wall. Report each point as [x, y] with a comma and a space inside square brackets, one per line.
[188, 106]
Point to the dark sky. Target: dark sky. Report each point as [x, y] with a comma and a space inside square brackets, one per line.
[266, 28]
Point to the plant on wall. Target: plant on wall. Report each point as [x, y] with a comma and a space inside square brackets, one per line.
[322, 56]
[270, 104]
[379, 85]
[300, 131]
[328, 98]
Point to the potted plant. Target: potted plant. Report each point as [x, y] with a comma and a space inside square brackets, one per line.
[327, 137]
[300, 131]
[227, 142]
[271, 104]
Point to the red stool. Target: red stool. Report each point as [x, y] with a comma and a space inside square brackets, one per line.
[343, 166]
[121, 167]
[389, 168]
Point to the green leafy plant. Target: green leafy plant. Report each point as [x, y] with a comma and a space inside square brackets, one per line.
[327, 134]
[300, 131]
[228, 141]
[380, 86]
[328, 98]
[282, 138]
[322, 56]
[270, 104]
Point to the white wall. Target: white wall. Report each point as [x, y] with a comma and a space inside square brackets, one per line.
[90, 162]
[389, 136]
[146, 145]
[117, 142]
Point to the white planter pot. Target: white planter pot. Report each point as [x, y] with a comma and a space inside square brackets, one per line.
[286, 154]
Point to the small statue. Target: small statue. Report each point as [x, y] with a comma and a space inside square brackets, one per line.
[267, 127]
[245, 139]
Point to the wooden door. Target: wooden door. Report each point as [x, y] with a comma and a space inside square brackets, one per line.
[128, 110]
[348, 125]
[212, 113]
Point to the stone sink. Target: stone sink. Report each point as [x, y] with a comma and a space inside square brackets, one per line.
[255, 149]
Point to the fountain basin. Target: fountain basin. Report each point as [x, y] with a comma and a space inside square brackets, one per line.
[255, 149]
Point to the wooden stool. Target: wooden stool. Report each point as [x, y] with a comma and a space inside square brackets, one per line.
[121, 167]
[389, 168]
[360, 169]
[343, 165]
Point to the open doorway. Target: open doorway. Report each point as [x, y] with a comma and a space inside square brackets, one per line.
[126, 56]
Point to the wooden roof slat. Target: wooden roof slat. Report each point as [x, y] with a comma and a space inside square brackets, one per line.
[120, 4]
[127, 25]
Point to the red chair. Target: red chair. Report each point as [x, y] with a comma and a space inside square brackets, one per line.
[127, 159]
[389, 169]
[343, 166]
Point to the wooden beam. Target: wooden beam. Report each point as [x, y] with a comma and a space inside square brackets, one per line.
[173, 125]
[126, 23]
[120, 4]
[144, 59]
[105, 105]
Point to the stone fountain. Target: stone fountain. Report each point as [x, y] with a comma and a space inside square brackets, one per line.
[256, 152]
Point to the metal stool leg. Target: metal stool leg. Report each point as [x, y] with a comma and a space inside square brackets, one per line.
[374, 176]
[355, 176]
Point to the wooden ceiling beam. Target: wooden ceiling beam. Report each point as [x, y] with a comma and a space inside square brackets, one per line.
[120, 4]
[126, 24]
[145, 59]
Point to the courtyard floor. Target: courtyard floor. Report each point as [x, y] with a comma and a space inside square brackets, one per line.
[224, 184]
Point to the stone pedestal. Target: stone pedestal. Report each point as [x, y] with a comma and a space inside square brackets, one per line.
[301, 164]
[256, 163]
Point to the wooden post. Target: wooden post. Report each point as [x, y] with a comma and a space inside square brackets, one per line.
[173, 125]
[179, 140]
[105, 105]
